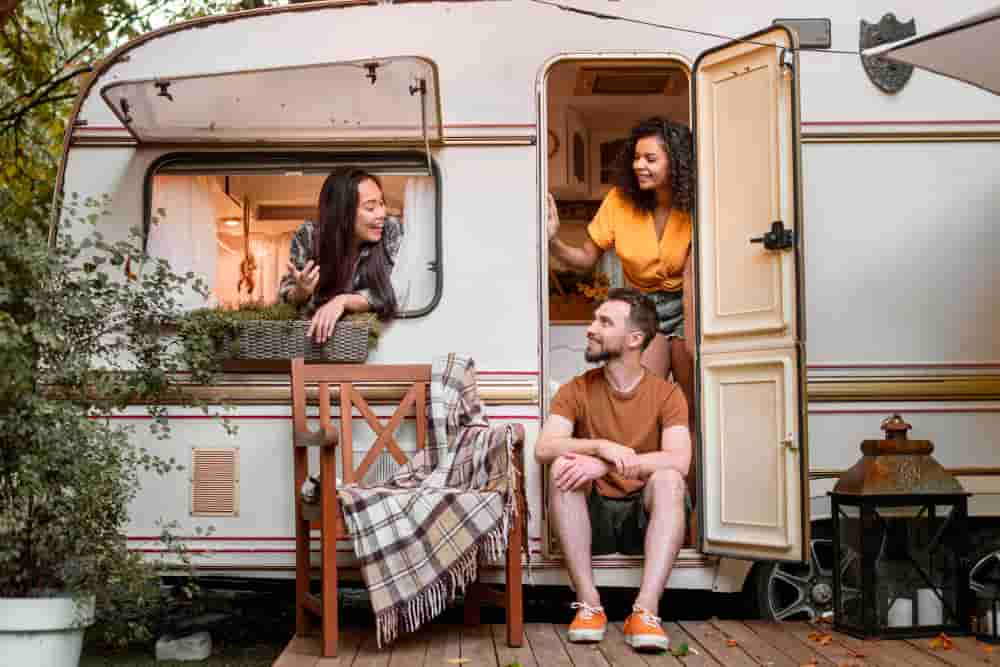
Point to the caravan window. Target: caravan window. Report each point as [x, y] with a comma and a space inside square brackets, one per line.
[207, 214]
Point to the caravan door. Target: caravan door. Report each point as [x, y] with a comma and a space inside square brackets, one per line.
[749, 315]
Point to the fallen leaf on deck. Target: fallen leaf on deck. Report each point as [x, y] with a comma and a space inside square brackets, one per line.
[732, 642]
[680, 650]
[515, 664]
[942, 642]
[458, 661]
[986, 647]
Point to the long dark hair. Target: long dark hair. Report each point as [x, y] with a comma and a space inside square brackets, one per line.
[335, 255]
[676, 141]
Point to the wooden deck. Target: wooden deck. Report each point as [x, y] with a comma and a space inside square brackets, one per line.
[736, 643]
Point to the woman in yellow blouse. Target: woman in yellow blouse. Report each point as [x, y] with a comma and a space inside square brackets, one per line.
[646, 218]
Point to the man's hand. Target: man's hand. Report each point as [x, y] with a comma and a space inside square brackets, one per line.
[624, 459]
[321, 326]
[579, 469]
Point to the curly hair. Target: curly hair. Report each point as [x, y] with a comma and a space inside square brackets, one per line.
[676, 141]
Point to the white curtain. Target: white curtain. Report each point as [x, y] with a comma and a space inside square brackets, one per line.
[185, 232]
[411, 279]
[271, 254]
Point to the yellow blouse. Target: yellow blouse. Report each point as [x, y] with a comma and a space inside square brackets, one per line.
[648, 265]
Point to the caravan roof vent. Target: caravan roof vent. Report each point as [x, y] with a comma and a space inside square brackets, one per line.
[630, 81]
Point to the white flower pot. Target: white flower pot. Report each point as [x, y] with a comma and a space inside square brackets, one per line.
[44, 631]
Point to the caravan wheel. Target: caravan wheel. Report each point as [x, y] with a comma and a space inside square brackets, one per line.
[787, 591]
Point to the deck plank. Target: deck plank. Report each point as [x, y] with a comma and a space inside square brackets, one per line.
[299, 652]
[962, 655]
[370, 655]
[477, 646]
[582, 655]
[617, 651]
[698, 655]
[546, 646]
[715, 642]
[754, 645]
[410, 650]
[347, 647]
[889, 653]
[444, 645]
[778, 637]
[834, 650]
[506, 654]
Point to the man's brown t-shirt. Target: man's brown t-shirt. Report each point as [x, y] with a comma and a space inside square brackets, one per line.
[634, 419]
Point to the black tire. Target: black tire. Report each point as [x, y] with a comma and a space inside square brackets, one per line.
[794, 591]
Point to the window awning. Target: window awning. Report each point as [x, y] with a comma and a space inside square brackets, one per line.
[392, 99]
[966, 51]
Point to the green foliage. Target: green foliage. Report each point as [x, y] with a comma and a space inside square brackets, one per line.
[216, 325]
[48, 49]
[79, 342]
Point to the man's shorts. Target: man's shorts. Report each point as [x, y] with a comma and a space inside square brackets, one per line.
[618, 525]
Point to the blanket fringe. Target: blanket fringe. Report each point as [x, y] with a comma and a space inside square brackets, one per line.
[433, 600]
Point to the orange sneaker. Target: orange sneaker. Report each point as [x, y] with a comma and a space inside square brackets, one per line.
[589, 624]
[643, 631]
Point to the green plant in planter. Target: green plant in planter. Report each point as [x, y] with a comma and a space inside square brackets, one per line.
[216, 326]
[80, 338]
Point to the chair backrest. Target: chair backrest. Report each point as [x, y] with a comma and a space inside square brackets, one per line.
[407, 382]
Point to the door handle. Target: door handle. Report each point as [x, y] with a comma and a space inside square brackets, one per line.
[789, 442]
[778, 238]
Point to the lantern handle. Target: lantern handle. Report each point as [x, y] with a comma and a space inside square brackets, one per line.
[895, 427]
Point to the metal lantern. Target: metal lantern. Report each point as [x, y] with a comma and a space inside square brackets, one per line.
[900, 537]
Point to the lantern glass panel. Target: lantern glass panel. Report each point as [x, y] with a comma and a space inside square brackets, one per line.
[851, 603]
[984, 580]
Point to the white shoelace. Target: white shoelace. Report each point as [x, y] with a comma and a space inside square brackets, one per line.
[588, 610]
[646, 615]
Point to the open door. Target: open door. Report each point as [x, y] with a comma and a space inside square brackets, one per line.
[749, 324]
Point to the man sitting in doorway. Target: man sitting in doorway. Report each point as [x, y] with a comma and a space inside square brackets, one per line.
[619, 447]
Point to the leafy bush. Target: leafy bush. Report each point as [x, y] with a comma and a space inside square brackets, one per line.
[80, 339]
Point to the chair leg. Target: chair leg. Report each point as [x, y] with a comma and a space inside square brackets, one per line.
[513, 593]
[473, 603]
[302, 621]
[328, 570]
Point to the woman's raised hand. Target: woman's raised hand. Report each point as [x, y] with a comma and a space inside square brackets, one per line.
[552, 226]
[305, 280]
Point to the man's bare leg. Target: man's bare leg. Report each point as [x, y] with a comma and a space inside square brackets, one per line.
[572, 524]
[664, 501]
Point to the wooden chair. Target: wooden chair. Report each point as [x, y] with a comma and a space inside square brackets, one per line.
[328, 518]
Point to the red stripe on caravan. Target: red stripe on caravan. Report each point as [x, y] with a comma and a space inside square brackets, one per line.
[237, 538]
[283, 417]
[819, 123]
[925, 411]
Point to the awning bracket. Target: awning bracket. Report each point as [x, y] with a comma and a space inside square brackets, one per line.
[419, 85]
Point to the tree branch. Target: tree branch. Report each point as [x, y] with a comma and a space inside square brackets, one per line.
[7, 8]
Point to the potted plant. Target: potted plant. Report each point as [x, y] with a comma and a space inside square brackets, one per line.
[277, 331]
[79, 340]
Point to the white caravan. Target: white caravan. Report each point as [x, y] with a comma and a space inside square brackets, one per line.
[471, 112]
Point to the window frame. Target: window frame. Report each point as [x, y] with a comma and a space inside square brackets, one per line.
[305, 160]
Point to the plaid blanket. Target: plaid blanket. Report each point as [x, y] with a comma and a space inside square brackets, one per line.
[421, 535]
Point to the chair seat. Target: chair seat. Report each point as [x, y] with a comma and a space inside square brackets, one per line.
[311, 512]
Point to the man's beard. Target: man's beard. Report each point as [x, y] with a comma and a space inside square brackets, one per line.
[600, 355]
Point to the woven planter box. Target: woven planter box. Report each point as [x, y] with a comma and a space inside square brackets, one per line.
[286, 339]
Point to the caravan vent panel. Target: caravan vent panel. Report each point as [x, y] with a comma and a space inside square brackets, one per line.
[215, 482]
[629, 81]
